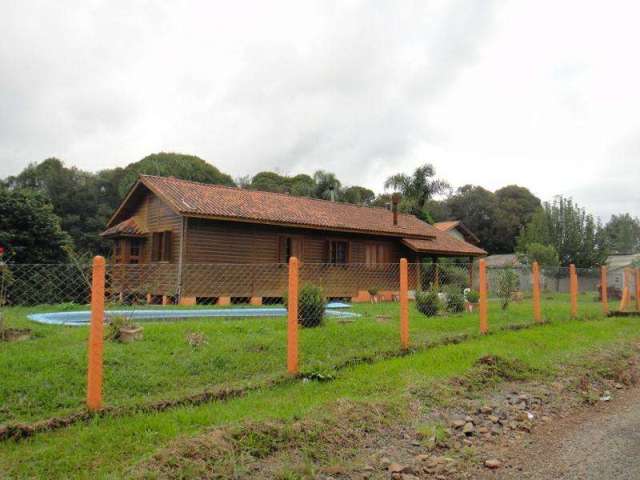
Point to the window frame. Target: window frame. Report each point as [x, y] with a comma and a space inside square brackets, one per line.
[161, 245]
[332, 252]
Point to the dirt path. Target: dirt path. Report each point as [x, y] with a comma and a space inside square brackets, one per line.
[596, 443]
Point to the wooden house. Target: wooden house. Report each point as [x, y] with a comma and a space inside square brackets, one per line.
[199, 242]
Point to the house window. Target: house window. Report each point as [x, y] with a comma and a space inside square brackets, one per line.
[118, 251]
[161, 247]
[135, 250]
[338, 252]
[290, 247]
[377, 253]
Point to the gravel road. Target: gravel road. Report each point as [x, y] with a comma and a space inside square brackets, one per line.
[601, 443]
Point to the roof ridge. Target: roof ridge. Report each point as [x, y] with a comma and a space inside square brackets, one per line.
[286, 195]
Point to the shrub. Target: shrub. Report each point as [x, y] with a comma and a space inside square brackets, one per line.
[455, 300]
[507, 282]
[427, 302]
[311, 305]
[473, 296]
[446, 273]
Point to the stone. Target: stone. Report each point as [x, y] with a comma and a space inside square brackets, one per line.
[468, 429]
[486, 409]
[468, 419]
[423, 457]
[493, 463]
[493, 418]
[483, 430]
[458, 423]
[397, 468]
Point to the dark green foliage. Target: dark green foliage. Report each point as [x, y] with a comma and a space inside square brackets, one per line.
[358, 195]
[623, 234]
[165, 164]
[428, 302]
[311, 305]
[30, 231]
[455, 299]
[473, 296]
[575, 235]
[545, 255]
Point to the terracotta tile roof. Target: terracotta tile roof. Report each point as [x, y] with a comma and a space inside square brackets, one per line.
[446, 226]
[445, 244]
[198, 199]
[221, 202]
[127, 228]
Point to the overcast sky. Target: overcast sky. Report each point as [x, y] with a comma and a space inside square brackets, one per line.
[545, 94]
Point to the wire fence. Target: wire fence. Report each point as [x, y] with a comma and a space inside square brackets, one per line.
[215, 325]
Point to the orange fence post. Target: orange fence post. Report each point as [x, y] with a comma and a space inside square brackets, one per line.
[573, 288]
[96, 336]
[624, 302]
[638, 289]
[604, 289]
[404, 304]
[535, 274]
[292, 325]
[484, 311]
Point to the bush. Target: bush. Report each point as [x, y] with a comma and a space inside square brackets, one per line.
[473, 296]
[447, 274]
[427, 302]
[311, 305]
[455, 300]
[507, 283]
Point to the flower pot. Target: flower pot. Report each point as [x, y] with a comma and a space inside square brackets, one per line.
[130, 334]
[16, 334]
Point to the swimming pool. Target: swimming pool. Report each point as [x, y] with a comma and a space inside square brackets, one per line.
[82, 317]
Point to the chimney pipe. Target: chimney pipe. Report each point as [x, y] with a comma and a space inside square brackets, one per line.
[395, 200]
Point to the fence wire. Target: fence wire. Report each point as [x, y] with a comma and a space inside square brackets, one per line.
[238, 332]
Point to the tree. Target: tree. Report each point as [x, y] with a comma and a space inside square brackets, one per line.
[575, 235]
[418, 188]
[515, 208]
[623, 234]
[30, 231]
[478, 209]
[358, 195]
[186, 167]
[545, 255]
[80, 199]
[270, 182]
[327, 186]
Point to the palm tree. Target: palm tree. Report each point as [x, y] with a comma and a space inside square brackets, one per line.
[327, 186]
[418, 188]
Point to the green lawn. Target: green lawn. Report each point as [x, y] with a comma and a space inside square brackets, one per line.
[110, 447]
[46, 376]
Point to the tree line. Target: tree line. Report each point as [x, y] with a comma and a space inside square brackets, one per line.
[50, 211]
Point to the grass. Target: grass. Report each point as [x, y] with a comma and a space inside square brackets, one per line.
[46, 376]
[111, 447]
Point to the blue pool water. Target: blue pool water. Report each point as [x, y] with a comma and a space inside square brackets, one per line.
[82, 317]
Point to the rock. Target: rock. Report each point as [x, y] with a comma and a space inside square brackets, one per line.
[408, 476]
[423, 457]
[458, 423]
[468, 429]
[385, 462]
[468, 419]
[493, 418]
[619, 386]
[545, 418]
[493, 463]
[486, 409]
[483, 430]
[397, 468]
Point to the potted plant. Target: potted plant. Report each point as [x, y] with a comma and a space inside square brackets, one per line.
[473, 299]
[122, 329]
[373, 294]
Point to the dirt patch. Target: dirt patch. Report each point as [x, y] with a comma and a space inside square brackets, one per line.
[452, 430]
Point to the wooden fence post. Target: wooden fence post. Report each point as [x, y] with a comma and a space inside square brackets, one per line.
[638, 289]
[535, 274]
[573, 288]
[404, 304]
[624, 302]
[604, 289]
[484, 310]
[292, 325]
[96, 336]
